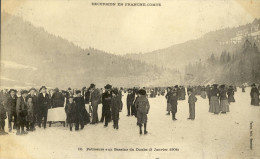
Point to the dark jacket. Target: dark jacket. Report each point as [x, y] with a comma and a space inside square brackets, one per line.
[87, 97]
[223, 95]
[70, 110]
[115, 107]
[80, 107]
[11, 103]
[44, 102]
[57, 100]
[192, 99]
[130, 99]
[106, 100]
[34, 101]
[21, 107]
[142, 104]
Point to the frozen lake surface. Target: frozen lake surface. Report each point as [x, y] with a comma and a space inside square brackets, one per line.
[207, 137]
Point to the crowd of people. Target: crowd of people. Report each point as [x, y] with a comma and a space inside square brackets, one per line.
[26, 109]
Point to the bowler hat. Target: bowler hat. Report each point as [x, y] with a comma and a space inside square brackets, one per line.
[92, 85]
[253, 85]
[32, 89]
[115, 91]
[43, 87]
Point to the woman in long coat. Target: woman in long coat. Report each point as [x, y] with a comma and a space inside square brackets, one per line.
[254, 95]
[231, 94]
[214, 102]
[115, 107]
[224, 105]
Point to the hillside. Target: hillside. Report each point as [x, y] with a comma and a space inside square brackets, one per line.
[233, 69]
[179, 55]
[30, 56]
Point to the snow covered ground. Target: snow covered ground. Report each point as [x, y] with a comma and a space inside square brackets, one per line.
[208, 136]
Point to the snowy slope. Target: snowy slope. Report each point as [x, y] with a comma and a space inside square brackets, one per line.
[208, 136]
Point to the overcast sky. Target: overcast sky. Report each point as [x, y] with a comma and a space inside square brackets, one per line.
[122, 30]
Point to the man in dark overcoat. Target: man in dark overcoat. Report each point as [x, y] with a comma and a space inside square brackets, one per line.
[21, 110]
[44, 105]
[10, 107]
[106, 101]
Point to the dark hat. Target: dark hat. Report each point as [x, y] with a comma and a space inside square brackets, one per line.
[92, 85]
[176, 86]
[56, 89]
[24, 92]
[12, 90]
[108, 86]
[69, 88]
[43, 87]
[253, 85]
[32, 89]
[78, 91]
[142, 92]
[115, 91]
[222, 86]
[231, 86]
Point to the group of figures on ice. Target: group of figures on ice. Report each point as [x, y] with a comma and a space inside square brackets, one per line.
[26, 109]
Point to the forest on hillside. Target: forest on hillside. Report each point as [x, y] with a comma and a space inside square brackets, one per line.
[228, 68]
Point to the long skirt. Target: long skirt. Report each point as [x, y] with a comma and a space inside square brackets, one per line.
[231, 99]
[203, 94]
[141, 117]
[224, 106]
[214, 105]
[255, 100]
[169, 107]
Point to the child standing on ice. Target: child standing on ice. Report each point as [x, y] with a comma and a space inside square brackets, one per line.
[142, 106]
[70, 110]
[116, 105]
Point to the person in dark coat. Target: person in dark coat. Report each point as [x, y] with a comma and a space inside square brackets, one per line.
[95, 100]
[192, 100]
[10, 106]
[106, 101]
[130, 102]
[203, 92]
[173, 101]
[142, 106]
[70, 110]
[21, 110]
[254, 95]
[115, 107]
[224, 105]
[34, 110]
[2, 116]
[243, 88]
[57, 99]
[214, 100]
[44, 105]
[182, 93]
[167, 96]
[231, 94]
[80, 109]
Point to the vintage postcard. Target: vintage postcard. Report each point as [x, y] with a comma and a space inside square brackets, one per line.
[130, 79]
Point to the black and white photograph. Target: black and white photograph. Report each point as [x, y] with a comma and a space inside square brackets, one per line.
[130, 79]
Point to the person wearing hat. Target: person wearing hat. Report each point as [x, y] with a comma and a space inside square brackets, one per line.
[243, 88]
[142, 106]
[10, 107]
[115, 107]
[192, 100]
[95, 98]
[34, 104]
[80, 109]
[231, 93]
[21, 110]
[254, 94]
[70, 110]
[130, 102]
[43, 106]
[106, 102]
